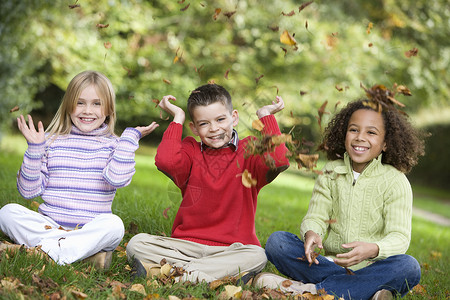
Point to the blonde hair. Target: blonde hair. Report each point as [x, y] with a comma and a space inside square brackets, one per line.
[62, 123]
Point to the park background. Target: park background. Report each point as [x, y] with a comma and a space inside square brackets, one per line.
[307, 52]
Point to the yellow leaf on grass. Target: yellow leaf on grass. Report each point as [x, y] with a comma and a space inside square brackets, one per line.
[138, 288]
[233, 291]
[287, 39]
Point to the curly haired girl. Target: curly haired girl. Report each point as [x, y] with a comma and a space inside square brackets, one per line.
[360, 211]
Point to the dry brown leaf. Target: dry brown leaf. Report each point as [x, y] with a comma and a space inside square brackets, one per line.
[412, 52]
[102, 26]
[289, 14]
[403, 90]
[15, 108]
[165, 212]
[258, 78]
[107, 45]
[167, 81]
[226, 74]
[229, 14]
[216, 13]
[301, 7]
[186, 7]
[307, 161]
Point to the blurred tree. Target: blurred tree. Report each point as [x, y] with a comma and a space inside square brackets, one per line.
[152, 48]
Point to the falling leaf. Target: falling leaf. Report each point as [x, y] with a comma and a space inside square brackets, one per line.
[107, 45]
[167, 81]
[165, 212]
[369, 27]
[403, 90]
[320, 112]
[181, 1]
[229, 14]
[281, 139]
[198, 69]
[273, 28]
[247, 179]
[287, 39]
[258, 125]
[339, 88]
[307, 161]
[258, 78]
[289, 14]
[72, 6]
[102, 26]
[284, 50]
[412, 52]
[226, 74]
[186, 7]
[216, 13]
[301, 7]
[156, 101]
[370, 45]
[47, 227]
[306, 24]
[274, 86]
[177, 58]
[128, 70]
[15, 108]
[302, 93]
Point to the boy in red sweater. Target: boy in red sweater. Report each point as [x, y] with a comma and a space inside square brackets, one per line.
[213, 235]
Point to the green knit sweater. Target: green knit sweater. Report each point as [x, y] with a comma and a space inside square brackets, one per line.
[375, 208]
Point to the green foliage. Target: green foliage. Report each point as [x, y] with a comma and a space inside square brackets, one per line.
[45, 43]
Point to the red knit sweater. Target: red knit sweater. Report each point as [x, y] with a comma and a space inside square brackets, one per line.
[216, 209]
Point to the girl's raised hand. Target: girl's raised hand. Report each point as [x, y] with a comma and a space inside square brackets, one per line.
[146, 130]
[177, 113]
[29, 131]
[271, 109]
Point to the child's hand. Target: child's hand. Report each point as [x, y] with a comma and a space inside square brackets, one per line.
[177, 113]
[312, 240]
[361, 251]
[29, 131]
[146, 130]
[275, 107]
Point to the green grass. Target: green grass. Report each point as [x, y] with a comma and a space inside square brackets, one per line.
[281, 206]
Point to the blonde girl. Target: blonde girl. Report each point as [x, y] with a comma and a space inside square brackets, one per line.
[76, 167]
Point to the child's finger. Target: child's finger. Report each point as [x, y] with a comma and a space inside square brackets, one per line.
[30, 123]
[40, 127]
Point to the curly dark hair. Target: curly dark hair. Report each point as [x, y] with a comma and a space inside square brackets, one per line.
[404, 143]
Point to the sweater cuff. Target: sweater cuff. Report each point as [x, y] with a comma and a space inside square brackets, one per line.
[270, 125]
[174, 131]
[132, 133]
[36, 150]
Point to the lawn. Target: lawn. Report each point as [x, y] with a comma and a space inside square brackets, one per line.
[149, 204]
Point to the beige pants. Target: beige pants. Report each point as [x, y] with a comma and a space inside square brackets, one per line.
[201, 262]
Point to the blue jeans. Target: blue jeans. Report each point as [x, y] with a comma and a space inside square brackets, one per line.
[398, 273]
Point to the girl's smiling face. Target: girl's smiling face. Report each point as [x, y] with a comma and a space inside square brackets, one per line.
[89, 112]
[364, 140]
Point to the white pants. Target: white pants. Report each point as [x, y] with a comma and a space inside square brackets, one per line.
[201, 262]
[29, 228]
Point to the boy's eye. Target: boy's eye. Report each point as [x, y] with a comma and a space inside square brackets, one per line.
[220, 119]
[371, 132]
[201, 124]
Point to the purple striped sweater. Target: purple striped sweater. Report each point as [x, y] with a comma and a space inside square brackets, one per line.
[77, 174]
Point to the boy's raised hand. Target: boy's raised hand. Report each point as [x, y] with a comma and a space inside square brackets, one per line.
[29, 131]
[177, 113]
[146, 130]
[275, 107]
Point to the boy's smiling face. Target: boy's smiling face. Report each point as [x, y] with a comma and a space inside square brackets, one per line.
[214, 124]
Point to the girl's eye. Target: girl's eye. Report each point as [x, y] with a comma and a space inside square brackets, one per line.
[352, 130]
[79, 103]
[98, 103]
